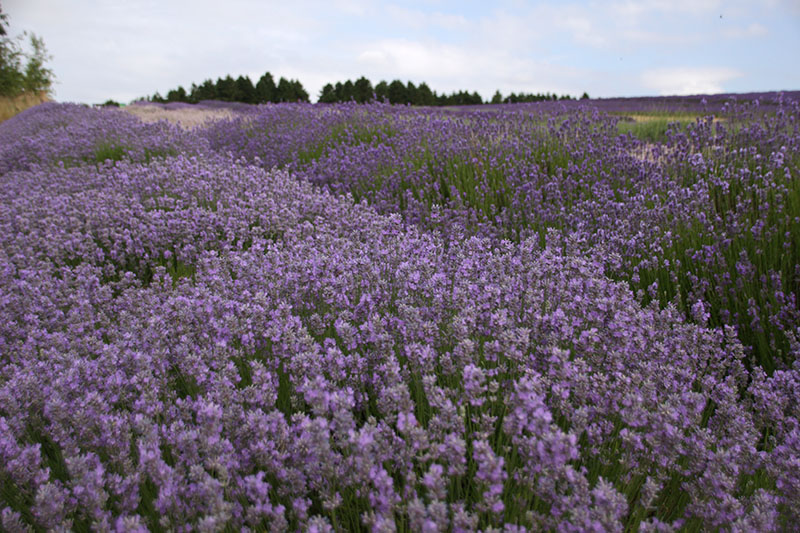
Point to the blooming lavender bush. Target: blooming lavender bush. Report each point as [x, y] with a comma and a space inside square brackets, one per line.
[708, 216]
[72, 134]
[197, 343]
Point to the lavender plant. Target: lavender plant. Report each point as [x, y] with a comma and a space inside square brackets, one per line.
[679, 214]
[199, 343]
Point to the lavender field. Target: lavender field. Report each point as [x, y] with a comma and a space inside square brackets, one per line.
[566, 316]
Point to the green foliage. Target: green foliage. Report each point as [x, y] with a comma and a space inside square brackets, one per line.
[37, 77]
[109, 152]
[327, 95]
[16, 77]
[177, 95]
[382, 91]
[246, 90]
[652, 128]
[265, 89]
[362, 90]
[397, 92]
[240, 89]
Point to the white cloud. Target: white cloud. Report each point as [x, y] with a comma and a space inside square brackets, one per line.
[688, 80]
[583, 30]
[416, 59]
[115, 48]
[477, 67]
[358, 8]
[753, 30]
[637, 8]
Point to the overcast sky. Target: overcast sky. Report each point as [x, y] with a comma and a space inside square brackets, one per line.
[124, 49]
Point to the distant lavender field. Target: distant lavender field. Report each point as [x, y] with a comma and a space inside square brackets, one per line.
[572, 316]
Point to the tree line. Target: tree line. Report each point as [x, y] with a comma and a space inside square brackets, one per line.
[397, 92]
[241, 89]
[17, 78]
[360, 91]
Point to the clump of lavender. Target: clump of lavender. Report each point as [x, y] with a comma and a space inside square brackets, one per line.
[71, 135]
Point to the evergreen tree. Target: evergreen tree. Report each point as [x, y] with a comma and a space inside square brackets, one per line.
[245, 91]
[411, 94]
[338, 91]
[192, 96]
[177, 95]
[298, 93]
[397, 92]
[206, 91]
[362, 90]
[382, 91]
[265, 89]
[585, 96]
[283, 92]
[497, 98]
[348, 91]
[327, 95]
[424, 95]
[227, 90]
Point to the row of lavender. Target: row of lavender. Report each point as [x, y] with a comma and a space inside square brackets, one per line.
[709, 216]
[197, 343]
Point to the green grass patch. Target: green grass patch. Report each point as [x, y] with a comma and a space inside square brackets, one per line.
[653, 128]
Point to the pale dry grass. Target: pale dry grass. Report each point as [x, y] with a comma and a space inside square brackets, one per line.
[653, 152]
[11, 106]
[187, 118]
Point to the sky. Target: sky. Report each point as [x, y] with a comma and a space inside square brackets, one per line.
[127, 49]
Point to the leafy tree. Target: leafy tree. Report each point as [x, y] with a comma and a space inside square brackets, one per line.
[11, 76]
[585, 96]
[14, 78]
[38, 78]
[497, 98]
[265, 89]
